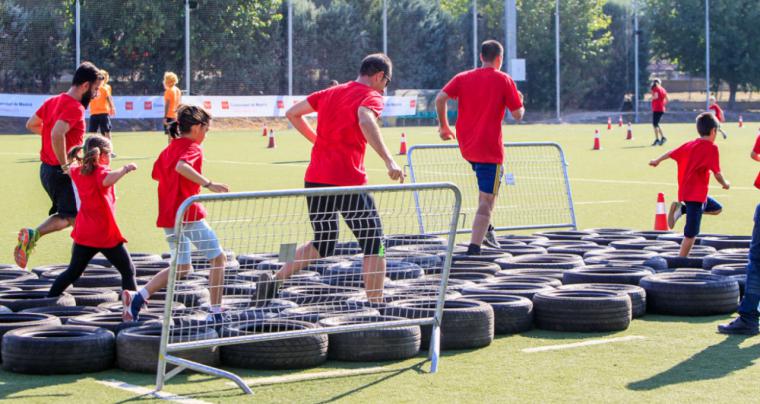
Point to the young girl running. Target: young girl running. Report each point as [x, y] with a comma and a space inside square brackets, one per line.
[95, 229]
[178, 172]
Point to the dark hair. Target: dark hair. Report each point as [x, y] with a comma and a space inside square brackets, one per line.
[86, 73]
[656, 82]
[93, 147]
[375, 63]
[490, 49]
[706, 122]
[187, 117]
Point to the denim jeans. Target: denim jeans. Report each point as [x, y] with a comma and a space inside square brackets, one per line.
[748, 307]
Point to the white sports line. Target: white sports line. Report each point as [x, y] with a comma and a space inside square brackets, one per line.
[263, 381]
[599, 202]
[143, 391]
[582, 344]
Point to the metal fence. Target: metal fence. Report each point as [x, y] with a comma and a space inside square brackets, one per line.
[535, 192]
[350, 267]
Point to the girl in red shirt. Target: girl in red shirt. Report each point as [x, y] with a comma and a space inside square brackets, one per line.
[95, 229]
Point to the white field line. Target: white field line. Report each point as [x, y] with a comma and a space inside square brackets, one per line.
[598, 202]
[263, 163]
[582, 344]
[263, 381]
[629, 182]
[142, 391]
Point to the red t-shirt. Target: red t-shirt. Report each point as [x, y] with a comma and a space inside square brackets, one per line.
[173, 188]
[756, 150]
[337, 157]
[658, 105]
[96, 222]
[484, 95]
[62, 107]
[718, 112]
[695, 161]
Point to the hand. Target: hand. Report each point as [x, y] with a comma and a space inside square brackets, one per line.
[654, 163]
[111, 113]
[727, 185]
[218, 188]
[65, 168]
[130, 167]
[446, 133]
[395, 172]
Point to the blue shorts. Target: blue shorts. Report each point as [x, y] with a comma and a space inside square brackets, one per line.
[489, 176]
[694, 212]
[200, 234]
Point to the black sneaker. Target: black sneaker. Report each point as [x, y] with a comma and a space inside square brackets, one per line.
[739, 326]
[663, 140]
[490, 239]
[266, 289]
[656, 142]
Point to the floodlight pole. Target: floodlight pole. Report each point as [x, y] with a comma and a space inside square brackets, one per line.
[385, 27]
[78, 34]
[474, 34]
[510, 33]
[187, 47]
[290, 47]
[636, 35]
[707, 54]
[556, 51]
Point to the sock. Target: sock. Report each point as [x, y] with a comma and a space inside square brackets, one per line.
[216, 309]
[473, 249]
[144, 293]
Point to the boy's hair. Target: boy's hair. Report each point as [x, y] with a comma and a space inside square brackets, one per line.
[490, 49]
[86, 73]
[93, 148]
[656, 82]
[171, 78]
[375, 63]
[706, 122]
[187, 117]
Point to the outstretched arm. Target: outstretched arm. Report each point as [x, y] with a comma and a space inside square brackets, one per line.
[296, 115]
[657, 161]
[722, 181]
[114, 176]
[371, 132]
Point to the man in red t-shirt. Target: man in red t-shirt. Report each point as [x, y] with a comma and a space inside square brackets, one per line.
[484, 95]
[716, 109]
[695, 159]
[659, 100]
[347, 121]
[60, 123]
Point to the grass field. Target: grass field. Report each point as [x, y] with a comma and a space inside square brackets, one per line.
[676, 360]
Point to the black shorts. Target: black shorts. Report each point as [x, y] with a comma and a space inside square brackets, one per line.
[60, 189]
[360, 214]
[168, 122]
[656, 117]
[99, 123]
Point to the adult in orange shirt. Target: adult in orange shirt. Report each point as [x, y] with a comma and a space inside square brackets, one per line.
[102, 109]
[172, 99]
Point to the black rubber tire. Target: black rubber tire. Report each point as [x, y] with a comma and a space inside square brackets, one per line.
[152, 304]
[306, 295]
[18, 301]
[191, 295]
[545, 261]
[11, 321]
[638, 254]
[466, 324]
[382, 344]
[92, 296]
[515, 250]
[150, 268]
[606, 274]
[474, 277]
[41, 270]
[4, 288]
[637, 294]
[111, 321]
[713, 260]
[610, 230]
[315, 313]
[565, 235]
[729, 270]
[721, 243]
[31, 284]
[690, 294]
[62, 349]
[606, 239]
[64, 313]
[395, 240]
[5, 310]
[511, 314]
[292, 353]
[15, 275]
[534, 280]
[137, 348]
[523, 238]
[475, 266]
[671, 248]
[694, 260]
[249, 261]
[652, 234]
[557, 243]
[525, 290]
[547, 273]
[93, 278]
[582, 310]
[578, 249]
[486, 255]
[100, 259]
[640, 245]
[432, 282]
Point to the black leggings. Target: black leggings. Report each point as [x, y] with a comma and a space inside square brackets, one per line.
[80, 258]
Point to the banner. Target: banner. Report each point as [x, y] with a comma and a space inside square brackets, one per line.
[145, 107]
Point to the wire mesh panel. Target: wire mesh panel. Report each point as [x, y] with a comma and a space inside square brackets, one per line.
[303, 263]
[535, 191]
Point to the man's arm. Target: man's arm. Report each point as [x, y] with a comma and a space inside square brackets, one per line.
[371, 131]
[520, 112]
[111, 106]
[58, 137]
[444, 130]
[657, 161]
[296, 114]
[34, 124]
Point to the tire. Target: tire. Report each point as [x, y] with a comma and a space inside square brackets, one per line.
[578, 249]
[610, 230]
[432, 282]
[721, 243]
[625, 254]
[544, 261]
[116, 307]
[418, 293]
[150, 268]
[640, 245]
[4, 288]
[314, 314]
[484, 256]
[511, 314]
[474, 277]
[137, 348]
[12, 321]
[694, 260]
[15, 275]
[30, 284]
[546, 273]
[606, 239]
[671, 248]
[637, 294]
[395, 240]
[690, 294]
[515, 250]
[18, 301]
[91, 278]
[306, 295]
[525, 290]
[100, 259]
[565, 235]
[714, 260]
[61, 349]
[729, 270]
[523, 238]
[556, 243]
[93, 297]
[466, 324]
[582, 310]
[110, 321]
[533, 280]
[64, 313]
[606, 274]
[188, 294]
[489, 268]
[41, 270]
[652, 234]
[249, 261]
[5, 310]
[292, 353]
[381, 344]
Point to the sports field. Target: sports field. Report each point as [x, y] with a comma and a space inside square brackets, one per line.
[664, 359]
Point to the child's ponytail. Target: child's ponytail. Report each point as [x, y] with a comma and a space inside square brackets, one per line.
[93, 148]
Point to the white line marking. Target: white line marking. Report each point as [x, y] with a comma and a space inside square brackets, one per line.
[598, 202]
[263, 381]
[582, 344]
[18, 154]
[261, 163]
[629, 182]
[148, 392]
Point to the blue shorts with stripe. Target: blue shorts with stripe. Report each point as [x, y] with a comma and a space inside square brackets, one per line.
[489, 176]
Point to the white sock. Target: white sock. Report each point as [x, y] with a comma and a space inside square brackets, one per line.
[144, 293]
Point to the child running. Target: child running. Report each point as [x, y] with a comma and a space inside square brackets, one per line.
[695, 159]
[95, 229]
[178, 172]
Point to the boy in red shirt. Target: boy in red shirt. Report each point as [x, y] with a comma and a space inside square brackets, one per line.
[716, 109]
[347, 121]
[659, 99]
[95, 229]
[483, 94]
[696, 159]
[60, 123]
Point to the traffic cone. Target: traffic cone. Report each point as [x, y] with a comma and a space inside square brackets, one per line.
[629, 135]
[609, 123]
[402, 151]
[264, 132]
[741, 121]
[272, 144]
[661, 218]
[597, 142]
[620, 121]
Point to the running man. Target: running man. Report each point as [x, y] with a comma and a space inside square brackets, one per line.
[60, 123]
[101, 111]
[483, 95]
[659, 100]
[347, 121]
[172, 100]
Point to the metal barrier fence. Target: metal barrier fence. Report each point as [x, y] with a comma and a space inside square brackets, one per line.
[349, 267]
[535, 192]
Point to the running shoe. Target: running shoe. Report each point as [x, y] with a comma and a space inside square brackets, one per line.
[129, 313]
[740, 326]
[490, 239]
[27, 239]
[675, 212]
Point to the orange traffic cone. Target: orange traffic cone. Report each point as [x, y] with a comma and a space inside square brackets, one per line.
[597, 142]
[629, 135]
[661, 218]
[741, 121]
[402, 151]
[272, 144]
[609, 123]
[620, 121]
[264, 132]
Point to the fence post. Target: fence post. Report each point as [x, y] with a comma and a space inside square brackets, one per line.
[77, 28]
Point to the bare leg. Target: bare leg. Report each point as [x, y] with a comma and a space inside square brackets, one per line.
[374, 277]
[161, 279]
[216, 279]
[486, 203]
[54, 223]
[686, 245]
[305, 254]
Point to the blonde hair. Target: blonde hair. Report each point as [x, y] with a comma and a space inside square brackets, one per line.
[106, 76]
[712, 98]
[171, 78]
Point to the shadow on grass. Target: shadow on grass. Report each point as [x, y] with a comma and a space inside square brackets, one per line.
[657, 318]
[714, 362]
